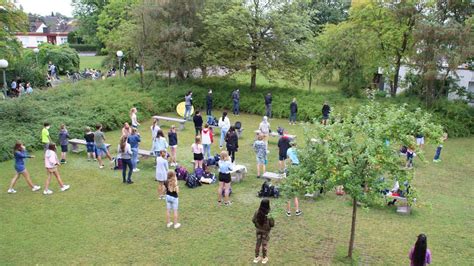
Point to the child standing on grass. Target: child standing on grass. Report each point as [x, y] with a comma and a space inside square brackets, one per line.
[64, 142]
[264, 129]
[159, 144]
[197, 150]
[51, 163]
[436, 158]
[207, 140]
[134, 141]
[293, 156]
[45, 138]
[263, 224]
[232, 142]
[225, 167]
[410, 155]
[224, 125]
[99, 139]
[126, 130]
[90, 145]
[124, 152]
[20, 155]
[154, 129]
[161, 173]
[197, 119]
[133, 117]
[420, 254]
[172, 200]
[173, 142]
[260, 148]
[283, 146]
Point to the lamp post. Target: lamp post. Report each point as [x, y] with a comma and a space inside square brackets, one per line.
[120, 55]
[36, 51]
[3, 66]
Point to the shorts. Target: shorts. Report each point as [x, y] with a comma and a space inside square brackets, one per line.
[420, 141]
[174, 146]
[20, 168]
[325, 117]
[261, 160]
[51, 170]
[63, 148]
[90, 146]
[101, 150]
[198, 156]
[172, 203]
[224, 178]
[282, 157]
[134, 126]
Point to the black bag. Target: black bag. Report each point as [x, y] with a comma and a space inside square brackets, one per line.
[192, 181]
[268, 190]
[280, 131]
[238, 125]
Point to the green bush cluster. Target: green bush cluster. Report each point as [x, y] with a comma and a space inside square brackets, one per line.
[82, 47]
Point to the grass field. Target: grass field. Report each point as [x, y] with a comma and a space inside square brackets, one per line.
[102, 221]
[91, 62]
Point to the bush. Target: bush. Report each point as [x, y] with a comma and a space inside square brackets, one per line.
[83, 47]
[64, 57]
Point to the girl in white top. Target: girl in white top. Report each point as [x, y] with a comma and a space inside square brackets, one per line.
[264, 129]
[198, 150]
[133, 116]
[154, 129]
[161, 173]
[224, 125]
[51, 162]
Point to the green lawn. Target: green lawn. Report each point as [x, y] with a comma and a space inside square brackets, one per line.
[102, 221]
[91, 62]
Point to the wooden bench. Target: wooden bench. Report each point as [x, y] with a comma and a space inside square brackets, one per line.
[145, 153]
[172, 119]
[273, 176]
[275, 134]
[238, 173]
[76, 142]
[403, 208]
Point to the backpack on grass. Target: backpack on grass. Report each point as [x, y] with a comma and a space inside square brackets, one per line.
[181, 173]
[268, 190]
[192, 181]
[118, 164]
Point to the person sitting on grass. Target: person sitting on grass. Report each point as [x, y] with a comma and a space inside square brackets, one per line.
[125, 153]
[51, 163]
[101, 148]
[64, 142]
[420, 254]
[260, 148]
[90, 146]
[263, 224]
[197, 150]
[436, 158]
[172, 200]
[20, 154]
[225, 167]
[293, 156]
[161, 173]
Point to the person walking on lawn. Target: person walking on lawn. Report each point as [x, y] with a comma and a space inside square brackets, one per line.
[51, 163]
[268, 105]
[188, 104]
[99, 139]
[20, 155]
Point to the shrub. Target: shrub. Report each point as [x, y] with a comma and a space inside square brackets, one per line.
[83, 47]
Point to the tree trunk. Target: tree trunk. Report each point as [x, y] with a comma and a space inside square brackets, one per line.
[310, 81]
[393, 89]
[203, 72]
[253, 77]
[180, 74]
[169, 77]
[353, 227]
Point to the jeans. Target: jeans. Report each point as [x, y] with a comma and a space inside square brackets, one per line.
[293, 118]
[438, 152]
[236, 109]
[209, 110]
[207, 150]
[268, 110]
[134, 157]
[187, 112]
[232, 155]
[223, 133]
[127, 163]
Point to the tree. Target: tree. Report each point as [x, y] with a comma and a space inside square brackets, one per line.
[256, 34]
[87, 12]
[352, 152]
[327, 12]
[12, 20]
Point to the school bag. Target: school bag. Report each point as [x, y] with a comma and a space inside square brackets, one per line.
[181, 173]
[118, 164]
[280, 131]
[268, 190]
[238, 125]
[192, 181]
[199, 172]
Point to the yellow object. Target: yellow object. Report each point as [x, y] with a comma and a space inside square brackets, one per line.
[181, 108]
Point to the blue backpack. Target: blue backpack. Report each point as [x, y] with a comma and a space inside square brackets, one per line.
[198, 172]
[192, 181]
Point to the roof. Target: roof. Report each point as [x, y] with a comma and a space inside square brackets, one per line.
[54, 23]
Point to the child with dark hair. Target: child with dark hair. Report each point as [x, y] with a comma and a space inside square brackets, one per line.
[173, 143]
[436, 158]
[51, 163]
[197, 119]
[64, 142]
[232, 142]
[325, 111]
[90, 145]
[420, 254]
[101, 148]
[20, 155]
[45, 137]
[263, 224]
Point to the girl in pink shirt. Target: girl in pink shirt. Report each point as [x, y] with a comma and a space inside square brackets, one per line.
[198, 152]
[51, 162]
[420, 254]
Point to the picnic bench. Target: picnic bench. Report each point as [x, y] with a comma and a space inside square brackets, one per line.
[76, 142]
[273, 176]
[238, 173]
[403, 208]
[275, 134]
[172, 119]
[145, 153]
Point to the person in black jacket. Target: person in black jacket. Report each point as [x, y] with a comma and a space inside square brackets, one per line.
[197, 119]
[209, 103]
[232, 142]
[293, 111]
[326, 110]
[268, 105]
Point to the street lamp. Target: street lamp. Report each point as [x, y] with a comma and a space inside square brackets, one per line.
[36, 51]
[3, 66]
[120, 55]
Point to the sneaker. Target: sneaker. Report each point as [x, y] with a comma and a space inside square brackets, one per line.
[228, 203]
[11, 191]
[101, 166]
[257, 259]
[47, 192]
[176, 226]
[113, 160]
[35, 188]
[130, 182]
[136, 170]
[65, 187]
[88, 159]
[265, 260]
[168, 225]
[258, 176]
[288, 214]
[298, 212]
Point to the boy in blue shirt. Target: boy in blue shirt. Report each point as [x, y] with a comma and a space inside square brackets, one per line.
[293, 156]
[134, 140]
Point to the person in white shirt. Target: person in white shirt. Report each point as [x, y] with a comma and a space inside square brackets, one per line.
[51, 162]
[161, 173]
[124, 151]
[264, 129]
[133, 117]
[224, 125]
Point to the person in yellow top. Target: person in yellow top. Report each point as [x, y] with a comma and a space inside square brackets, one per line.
[45, 138]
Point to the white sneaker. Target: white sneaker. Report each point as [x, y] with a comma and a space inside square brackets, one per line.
[11, 191]
[265, 260]
[47, 192]
[35, 188]
[257, 259]
[136, 170]
[65, 187]
[101, 167]
[168, 225]
[176, 226]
